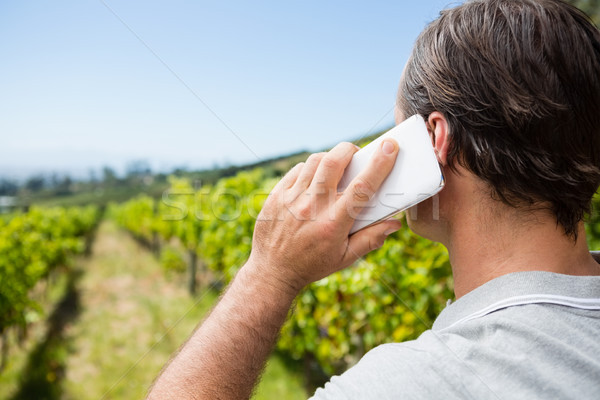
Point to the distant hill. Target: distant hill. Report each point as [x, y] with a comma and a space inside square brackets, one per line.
[114, 189]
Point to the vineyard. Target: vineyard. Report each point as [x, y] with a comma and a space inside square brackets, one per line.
[393, 294]
[202, 235]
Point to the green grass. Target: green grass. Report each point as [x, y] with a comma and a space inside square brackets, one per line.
[129, 321]
[282, 380]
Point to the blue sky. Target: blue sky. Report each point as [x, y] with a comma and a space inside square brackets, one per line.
[79, 89]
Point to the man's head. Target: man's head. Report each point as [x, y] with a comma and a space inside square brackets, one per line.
[518, 84]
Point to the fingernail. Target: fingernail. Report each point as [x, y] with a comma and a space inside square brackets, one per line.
[357, 147]
[388, 147]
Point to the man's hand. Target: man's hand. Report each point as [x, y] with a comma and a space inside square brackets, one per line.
[301, 234]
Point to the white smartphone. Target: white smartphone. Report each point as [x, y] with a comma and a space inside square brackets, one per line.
[416, 175]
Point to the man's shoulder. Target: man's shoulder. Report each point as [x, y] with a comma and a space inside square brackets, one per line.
[421, 368]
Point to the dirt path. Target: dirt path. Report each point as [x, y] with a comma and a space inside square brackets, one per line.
[128, 324]
[111, 328]
[132, 318]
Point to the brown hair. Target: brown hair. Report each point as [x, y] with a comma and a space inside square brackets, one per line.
[519, 84]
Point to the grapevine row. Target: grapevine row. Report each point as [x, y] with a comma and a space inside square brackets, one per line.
[32, 244]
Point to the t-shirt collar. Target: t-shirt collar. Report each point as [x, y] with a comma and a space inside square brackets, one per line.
[520, 288]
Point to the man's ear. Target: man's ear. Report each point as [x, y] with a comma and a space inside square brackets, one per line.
[440, 137]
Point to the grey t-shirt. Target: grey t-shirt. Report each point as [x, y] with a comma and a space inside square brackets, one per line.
[525, 335]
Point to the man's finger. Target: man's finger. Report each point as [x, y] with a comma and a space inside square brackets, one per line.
[362, 188]
[308, 171]
[369, 239]
[331, 168]
[289, 179]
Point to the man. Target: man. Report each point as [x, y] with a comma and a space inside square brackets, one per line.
[511, 93]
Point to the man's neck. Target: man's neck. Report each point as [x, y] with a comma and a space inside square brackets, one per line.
[481, 252]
